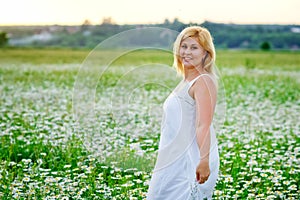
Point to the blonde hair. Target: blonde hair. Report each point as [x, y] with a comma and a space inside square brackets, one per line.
[204, 38]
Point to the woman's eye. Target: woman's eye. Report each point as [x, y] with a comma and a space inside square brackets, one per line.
[194, 47]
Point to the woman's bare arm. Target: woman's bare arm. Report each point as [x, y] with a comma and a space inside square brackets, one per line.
[204, 92]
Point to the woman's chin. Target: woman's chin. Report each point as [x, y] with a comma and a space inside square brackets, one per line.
[188, 65]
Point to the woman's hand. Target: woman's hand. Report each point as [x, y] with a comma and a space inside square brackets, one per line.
[202, 171]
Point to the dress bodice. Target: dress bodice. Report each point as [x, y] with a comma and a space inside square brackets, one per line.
[178, 124]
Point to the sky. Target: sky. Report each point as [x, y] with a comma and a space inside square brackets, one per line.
[74, 12]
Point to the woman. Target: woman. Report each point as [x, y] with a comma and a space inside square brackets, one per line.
[187, 165]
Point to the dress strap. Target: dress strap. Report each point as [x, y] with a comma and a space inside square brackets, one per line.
[193, 81]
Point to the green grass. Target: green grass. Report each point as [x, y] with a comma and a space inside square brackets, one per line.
[44, 152]
[41, 56]
[273, 60]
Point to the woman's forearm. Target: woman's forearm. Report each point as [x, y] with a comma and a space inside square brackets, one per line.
[203, 141]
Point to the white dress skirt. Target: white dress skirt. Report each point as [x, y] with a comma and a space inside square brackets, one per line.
[174, 175]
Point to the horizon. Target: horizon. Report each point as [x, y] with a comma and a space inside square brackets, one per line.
[67, 12]
[149, 23]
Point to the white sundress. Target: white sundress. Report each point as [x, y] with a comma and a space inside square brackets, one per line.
[174, 175]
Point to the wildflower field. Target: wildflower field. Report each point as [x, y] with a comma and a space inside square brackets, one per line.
[46, 153]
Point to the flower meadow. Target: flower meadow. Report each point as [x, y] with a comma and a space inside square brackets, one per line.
[45, 153]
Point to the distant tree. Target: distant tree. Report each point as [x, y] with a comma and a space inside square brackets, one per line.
[177, 25]
[167, 22]
[3, 39]
[265, 46]
[107, 20]
[86, 24]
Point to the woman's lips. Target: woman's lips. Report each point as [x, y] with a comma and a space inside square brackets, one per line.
[187, 59]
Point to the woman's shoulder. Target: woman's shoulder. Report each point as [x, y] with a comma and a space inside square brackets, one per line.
[205, 81]
[206, 78]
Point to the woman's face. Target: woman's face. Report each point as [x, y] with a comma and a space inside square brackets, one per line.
[191, 53]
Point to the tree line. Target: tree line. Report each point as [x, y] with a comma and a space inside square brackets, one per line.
[226, 36]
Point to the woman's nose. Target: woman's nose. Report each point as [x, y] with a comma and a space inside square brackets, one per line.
[187, 51]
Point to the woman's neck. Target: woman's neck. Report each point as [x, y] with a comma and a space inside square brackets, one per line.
[191, 73]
